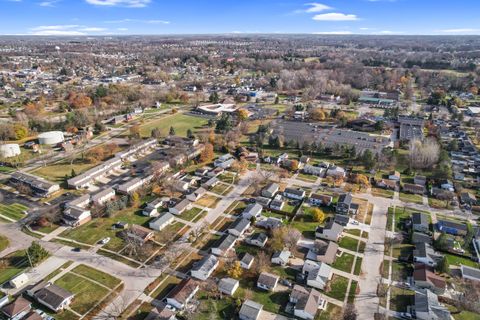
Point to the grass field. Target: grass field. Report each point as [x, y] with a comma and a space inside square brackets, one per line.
[348, 243]
[180, 122]
[208, 201]
[221, 189]
[358, 266]
[96, 275]
[353, 291]
[57, 172]
[13, 211]
[3, 243]
[189, 215]
[337, 287]
[400, 299]
[87, 293]
[378, 192]
[344, 262]
[167, 285]
[408, 197]
[12, 264]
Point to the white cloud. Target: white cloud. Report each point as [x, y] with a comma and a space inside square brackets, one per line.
[122, 29]
[152, 21]
[335, 16]
[120, 3]
[48, 3]
[334, 32]
[317, 7]
[386, 32]
[65, 30]
[461, 30]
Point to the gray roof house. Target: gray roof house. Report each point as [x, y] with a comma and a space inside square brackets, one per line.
[205, 267]
[427, 306]
[223, 245]
[267, 281]
[257, 239]
[306, 302]
[281, 257]
[331, 231]
[270, 190]
[470, 273]
[247, 261]
[250, 310]
[252, 210]
[228, 286]
[161, 221]
[53, 297]
[420, 222]
[323, 251]
[239, 226]
[425, 254]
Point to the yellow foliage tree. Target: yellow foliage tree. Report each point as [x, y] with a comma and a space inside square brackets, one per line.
[318, 215]
[235, 271]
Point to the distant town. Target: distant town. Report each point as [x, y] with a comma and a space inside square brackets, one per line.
[239, 177]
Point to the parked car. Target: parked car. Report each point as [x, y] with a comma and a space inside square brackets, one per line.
[104, 240]
[77, 249]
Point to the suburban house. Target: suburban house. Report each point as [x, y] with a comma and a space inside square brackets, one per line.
[161, 221]
[323, 251]
[345, 205]
[468, 198]
[447, 185]
[317, 274]
[277, 204]
[418, 237]
[264, 202]
[103, 196]
[17, 309]
[332, 231]
[420, 222]
[132, 185]
[74, 216]
[281, 257]
[201, 172]
[387, 184]
[420, 180]
[228, 286]
[238, 227]
[413, 188]
[336, 172]
[223, 245]
[247, 261]
[341, 219]
[294, 193]
[427, 306]
[425, 254]
[267, 281]
[85, 179]
[257, 239]
[180, 207]
[453, 228]
[210, 183]
[252, 210]
[270, 190]
[183, 292]
[317, 199]
[250, 310]
[52, 296]
[306, 302]
[425, 278]
[470, 273]
[197, 194]
[395, 175]
[151, 209]
[139, 233]
[162, 313]
[270, 223]
[313, 170]
[224, 161]
[39, 186]
[19, 281]
[204, 268]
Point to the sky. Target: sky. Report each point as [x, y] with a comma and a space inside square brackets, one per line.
[123, 17]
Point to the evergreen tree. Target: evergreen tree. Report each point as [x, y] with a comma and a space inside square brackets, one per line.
[172, 131]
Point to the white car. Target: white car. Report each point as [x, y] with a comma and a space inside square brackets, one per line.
[105, 240]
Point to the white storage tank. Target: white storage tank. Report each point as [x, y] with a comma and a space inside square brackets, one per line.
[51, 137]
[9, 150]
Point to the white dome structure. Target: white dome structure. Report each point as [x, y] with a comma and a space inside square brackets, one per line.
[51, 137]
[9, 150]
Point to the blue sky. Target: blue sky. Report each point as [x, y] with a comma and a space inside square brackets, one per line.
[102, 17]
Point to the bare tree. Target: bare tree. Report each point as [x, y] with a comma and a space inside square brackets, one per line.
[424, 154]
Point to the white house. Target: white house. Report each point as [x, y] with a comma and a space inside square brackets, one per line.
[197, 194]
[318, 277]
[281, 257]
[238, 227]
[293, 193]
[228, 286]
[103, 196]
[19, 281]
[180, 207]
[252, 210]
[161, 221]
[183, 293]
[267, 281]
[205, 267]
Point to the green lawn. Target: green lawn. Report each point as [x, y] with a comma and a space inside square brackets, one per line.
[180, 122]
[306, 226]
[208, 201]
[87, 293]
[352, 292]
[465, 315]
[214, 309]
[3, 243]
[400, 271]
[456, 260]
[272, 301]
[221, 189]
[408, 197]
[378, 192]
[96, 275]
[358, 266]
[354, 232]
[344, 262]
[385, 268]
[13, 264]
[400, 299]
[307, 177]
[57, 172]
[13, 211]
[338, 287]
[167, 285]
[348, 243]
[190, 214]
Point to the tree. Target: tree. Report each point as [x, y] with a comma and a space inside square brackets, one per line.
[135, 131]
[442, 242]
[443, 266]
[208, 153]
[36, 253]
[317, 114]
[262, 262]
[190, 134]
[214, 97]
[156, 133]
[291, 237]
[350, 312]
[21, 132]
[293, 165]
[277, 242]
[171, 131]
[368, 159]
[424, 154]
[135, 200]
[242, 114]
[235, 270]
[318, 215]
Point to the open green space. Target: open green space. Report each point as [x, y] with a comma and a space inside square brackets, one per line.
[348, 243]
[12, 265]
[457, 260]
[87, 293]
[221, 189]
[96, 275]
[378, 192]
[400, 299]
[358, 266]
[3, 243]
[13, 211]
[58, 172]
[344, 262]
[165, 287]
[400, 271]
[189, 215]
[352, 292]
[337, 287]
[209, 309]
[180, 122]
[409, 197]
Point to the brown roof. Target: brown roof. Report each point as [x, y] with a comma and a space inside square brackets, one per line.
[328, 253]
[33, 316]
[140, 231]
[183, 290]
[17, 306]
[424, 273]
[308, 299]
